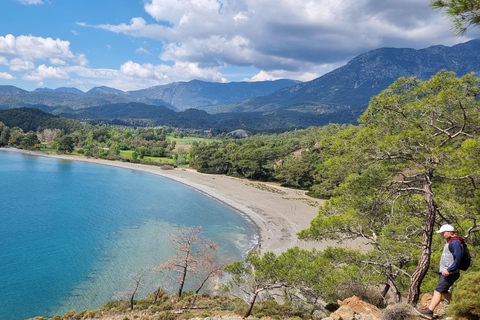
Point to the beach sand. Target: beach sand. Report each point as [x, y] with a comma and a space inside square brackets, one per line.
[279, 213]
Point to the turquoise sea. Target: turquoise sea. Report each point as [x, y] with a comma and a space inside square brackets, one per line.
[73, 233]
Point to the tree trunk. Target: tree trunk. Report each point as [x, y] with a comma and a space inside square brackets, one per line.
[424, 264]
[381, 300]
[203, 282]
[157, 293]
[393, 283]
[252, 302]
[182, 282]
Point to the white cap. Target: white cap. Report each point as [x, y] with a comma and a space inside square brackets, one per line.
[446, 227]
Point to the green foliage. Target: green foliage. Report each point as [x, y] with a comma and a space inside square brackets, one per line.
[30, 119]
[271, 308]
[415, 137]
[165, 315]
[399, 311]
[30, 141]
[463, 13]
[295, 159]
[465, 302]
[65, 144]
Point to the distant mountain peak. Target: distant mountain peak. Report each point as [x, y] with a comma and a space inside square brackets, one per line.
[104, 90]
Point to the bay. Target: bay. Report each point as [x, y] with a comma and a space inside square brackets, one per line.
[72, 233]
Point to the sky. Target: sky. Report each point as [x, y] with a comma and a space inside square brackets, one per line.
[136, 44]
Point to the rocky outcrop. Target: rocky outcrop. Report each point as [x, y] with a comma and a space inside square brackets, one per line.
[355, 309]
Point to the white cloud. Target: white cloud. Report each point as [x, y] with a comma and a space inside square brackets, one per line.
[166, 73]
[32, 48]
[45, 72]
[142, 50]
[7, 76]
[293, 36]
[30, 2]
[138, 27]
[281, 74]
[21, 65]
[132, 75]
[57, 61]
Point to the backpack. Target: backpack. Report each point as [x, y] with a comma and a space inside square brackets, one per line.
[466, 258]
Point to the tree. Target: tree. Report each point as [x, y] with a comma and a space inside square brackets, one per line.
[191, 251]
[463, 13]
[210, 267]
[30, 140]
[4, 135]
[132, 291]
[410, 160]
[65, 144]
[253, 276]
[16, 136]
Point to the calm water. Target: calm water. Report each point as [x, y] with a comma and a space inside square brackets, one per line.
[72, 233]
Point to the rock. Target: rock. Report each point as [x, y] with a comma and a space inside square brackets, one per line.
[355, 309]
[425, 301]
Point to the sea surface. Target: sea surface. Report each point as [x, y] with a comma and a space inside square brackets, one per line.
[72, 234]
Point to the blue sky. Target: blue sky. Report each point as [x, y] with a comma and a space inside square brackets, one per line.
[135, 44]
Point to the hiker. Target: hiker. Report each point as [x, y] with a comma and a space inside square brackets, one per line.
[449, 269]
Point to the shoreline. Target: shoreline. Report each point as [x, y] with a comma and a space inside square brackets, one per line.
[278, 213]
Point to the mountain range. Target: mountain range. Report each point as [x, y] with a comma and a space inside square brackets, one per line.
[338, 96]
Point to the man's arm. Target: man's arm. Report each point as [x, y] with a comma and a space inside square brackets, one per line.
[456, 249]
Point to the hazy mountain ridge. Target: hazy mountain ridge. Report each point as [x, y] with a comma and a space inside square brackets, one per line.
[196, 93]
[183, 95]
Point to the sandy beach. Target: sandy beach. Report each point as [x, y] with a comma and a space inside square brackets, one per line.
[279, 213]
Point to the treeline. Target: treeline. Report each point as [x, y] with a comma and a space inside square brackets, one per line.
[30, 128]
[295, 159]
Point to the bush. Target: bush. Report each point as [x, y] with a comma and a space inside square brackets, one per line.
[187, 315]
[399, 311]
[360, 289]
[166, 316]
[71, 314]
[465, 302]
[332, 306]
[166, 306]
[119, 305]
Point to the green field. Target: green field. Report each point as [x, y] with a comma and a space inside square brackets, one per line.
[128, 154]
[187, 140]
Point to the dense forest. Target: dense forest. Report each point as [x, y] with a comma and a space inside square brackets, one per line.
[411, 165]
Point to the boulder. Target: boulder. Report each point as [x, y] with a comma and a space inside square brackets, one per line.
[355, 309]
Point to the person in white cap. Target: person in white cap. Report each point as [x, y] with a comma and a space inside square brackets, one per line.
[449, 269]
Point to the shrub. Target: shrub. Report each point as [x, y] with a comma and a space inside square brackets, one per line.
[187, 315]
[359, 289]
[465, 302]
[119, 305]
[166, 306]
[166, 316]
[399, 311]
[71, 314]
[332, 306]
